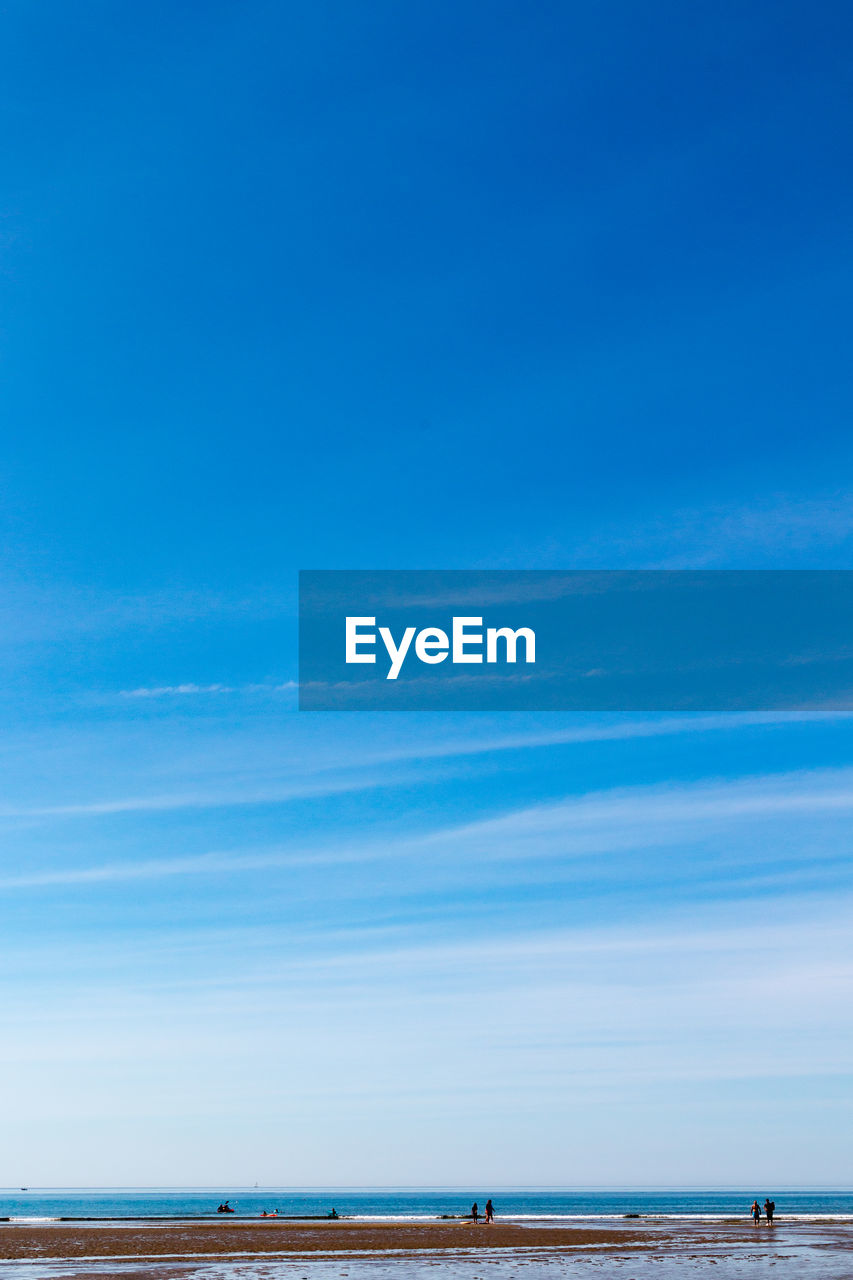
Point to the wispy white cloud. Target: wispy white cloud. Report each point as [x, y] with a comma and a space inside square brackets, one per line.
[601, 822]
[189, 689]
[606, 731]
[202, 864]
[690, 996]
[365, 767]
[629, 817]
[214, 798]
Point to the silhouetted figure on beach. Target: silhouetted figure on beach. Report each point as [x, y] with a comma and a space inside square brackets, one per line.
[490, 1211]
[475, 1212]
[755, 1211]
[769, 1210]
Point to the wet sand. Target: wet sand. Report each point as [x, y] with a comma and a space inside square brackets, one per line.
[66, 1240]
[646, 1249]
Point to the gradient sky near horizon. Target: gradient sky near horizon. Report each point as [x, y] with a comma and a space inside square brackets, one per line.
[411, 286]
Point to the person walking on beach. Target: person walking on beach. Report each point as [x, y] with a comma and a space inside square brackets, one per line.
[755, 1211]
[475, 1212]
[769, 1210]
[490, 1211]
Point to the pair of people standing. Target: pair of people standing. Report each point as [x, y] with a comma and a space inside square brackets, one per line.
[769, 1210]
[490, 1211]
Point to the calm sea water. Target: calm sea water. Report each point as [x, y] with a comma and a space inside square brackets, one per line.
[105, 1202]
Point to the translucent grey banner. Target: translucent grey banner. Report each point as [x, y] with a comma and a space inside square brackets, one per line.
[495, 640]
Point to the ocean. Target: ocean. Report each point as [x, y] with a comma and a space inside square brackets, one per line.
[389, 1204]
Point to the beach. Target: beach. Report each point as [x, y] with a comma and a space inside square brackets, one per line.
[280, 1250]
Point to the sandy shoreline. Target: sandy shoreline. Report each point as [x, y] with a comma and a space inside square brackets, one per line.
[20, 1241]
[64, 1240]
[607, 1250]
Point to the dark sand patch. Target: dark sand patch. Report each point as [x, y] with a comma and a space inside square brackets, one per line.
[64, 1240]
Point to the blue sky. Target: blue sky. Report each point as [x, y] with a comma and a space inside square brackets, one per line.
[398, 287]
